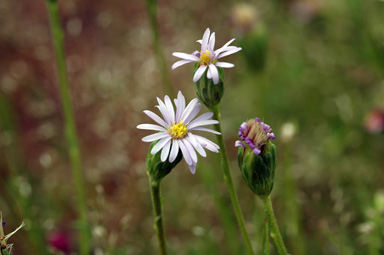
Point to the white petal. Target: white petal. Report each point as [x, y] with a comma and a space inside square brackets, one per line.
[228, 53]
[191, 150]
[180, 63]
[156, 118]
[170, 109]
[193, 113]
[185, 152]
[224, 64]
[174, 151]
[199, 72]
[212, 41]
[207, 143]
[197, 145]
[154, 137]
[190, 107]
[206, 130]
[165, 151]
[192, 168]
[224, 46]
[164, 111]
[204, 43]
[202, 123]
[214, 73]
[204, 116]
[200, 41]
[209, 74]
[180, 105]
[151, 127]
[186, 56]
[191, 139]
[160, 145]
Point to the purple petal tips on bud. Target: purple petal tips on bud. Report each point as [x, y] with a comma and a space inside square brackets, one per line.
[256, 134]
[239, 144]
[256, 151]
[3, 223]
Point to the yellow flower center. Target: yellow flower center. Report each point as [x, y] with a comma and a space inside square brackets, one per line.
[205, 60]
[178, 130]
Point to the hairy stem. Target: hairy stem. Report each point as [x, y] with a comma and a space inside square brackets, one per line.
[229, 182]
[275, 232]
[157, 212]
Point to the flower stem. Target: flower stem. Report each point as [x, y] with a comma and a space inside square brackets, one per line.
[70, 129]
[275, 232]
[152, 15]
[228, 180]
[156, 204]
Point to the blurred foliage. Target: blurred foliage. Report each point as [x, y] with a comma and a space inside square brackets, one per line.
[322, 71]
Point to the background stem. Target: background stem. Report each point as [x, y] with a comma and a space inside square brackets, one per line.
[228, 180]
[156, 204]
[164, 71]
[70, 129]
[273, 224]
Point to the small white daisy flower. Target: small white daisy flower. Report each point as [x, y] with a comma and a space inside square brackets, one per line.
[175, 130]
[207, 57]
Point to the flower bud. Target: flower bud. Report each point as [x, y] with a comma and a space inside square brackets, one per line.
[157, 169]
[257, 159]
[208, 92]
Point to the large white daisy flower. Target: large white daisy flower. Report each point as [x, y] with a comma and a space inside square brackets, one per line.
[175, 130]
[207, 57]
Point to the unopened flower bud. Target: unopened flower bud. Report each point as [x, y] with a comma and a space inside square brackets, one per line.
[208, 92]
[157, 169]
[257, 156]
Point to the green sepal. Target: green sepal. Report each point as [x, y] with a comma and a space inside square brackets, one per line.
[240, 156]
[208, 92]
[258, 171]
[157, 169]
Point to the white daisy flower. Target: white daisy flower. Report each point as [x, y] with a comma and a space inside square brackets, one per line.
[175, 130]
[207, 57]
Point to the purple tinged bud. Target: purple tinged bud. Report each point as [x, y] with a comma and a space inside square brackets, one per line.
[255, 134]
[3, 223]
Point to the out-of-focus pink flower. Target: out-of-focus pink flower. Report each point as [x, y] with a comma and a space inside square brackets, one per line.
[60, 240]
[374, 121]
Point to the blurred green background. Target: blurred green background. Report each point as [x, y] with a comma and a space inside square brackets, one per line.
[313, 70]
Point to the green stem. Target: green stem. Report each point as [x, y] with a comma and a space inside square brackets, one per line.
[5, 252]
[266, 249]
[156, 204]
[273, 224]
[165, 77]
[228, 180]
[70, 129]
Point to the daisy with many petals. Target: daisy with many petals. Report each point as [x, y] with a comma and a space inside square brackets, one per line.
[207, 57]
[175, 130]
